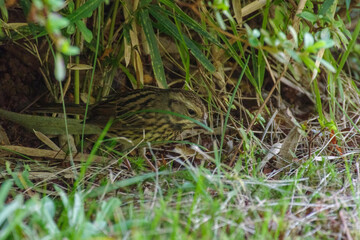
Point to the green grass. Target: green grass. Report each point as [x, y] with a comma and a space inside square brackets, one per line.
[194, 203]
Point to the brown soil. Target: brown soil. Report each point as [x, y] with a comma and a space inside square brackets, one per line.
[21, 83]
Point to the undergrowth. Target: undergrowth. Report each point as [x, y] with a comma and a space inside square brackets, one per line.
[280, 82]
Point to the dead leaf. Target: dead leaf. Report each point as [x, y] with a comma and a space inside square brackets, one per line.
[288, 148]
[35, 152]
[47, 141]
[74, 66]
[4, 140]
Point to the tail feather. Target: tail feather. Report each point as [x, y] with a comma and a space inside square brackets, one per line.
[73, 109]
[49, 125]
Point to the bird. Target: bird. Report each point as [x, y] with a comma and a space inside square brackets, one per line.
[144, 115]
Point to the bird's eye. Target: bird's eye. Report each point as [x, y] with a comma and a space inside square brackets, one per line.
[191, 112]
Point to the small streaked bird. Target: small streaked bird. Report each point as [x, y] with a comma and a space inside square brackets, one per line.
[149, 115]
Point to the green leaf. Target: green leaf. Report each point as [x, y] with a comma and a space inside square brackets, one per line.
[186, 20]
[308, 62]
[325, 7]
[172, 30]
[220, 20]
[8, 213]
[71, 29]
[309, 16]
[65, 47]
[325, 34]
[107, 209]
[25, 6]
[129, 75]
[88, 36]
[308, 40]
[156, 61]
[55, 5]
[56, 22]
[85, 10]
[345, 56]
[47, 213]
[4, 191]
[71, 6]
[254, 42]
[4, 12]
[294, 55]
[322, 119]
[341, 36]
[327, 65]
[313, 48]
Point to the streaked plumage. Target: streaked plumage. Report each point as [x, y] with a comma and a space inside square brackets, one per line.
[133, 118]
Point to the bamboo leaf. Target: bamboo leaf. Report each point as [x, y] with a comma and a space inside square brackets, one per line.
[172, 30]
[156, 61]
[188, 21]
